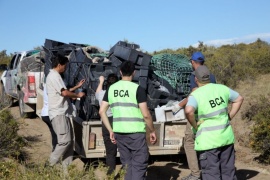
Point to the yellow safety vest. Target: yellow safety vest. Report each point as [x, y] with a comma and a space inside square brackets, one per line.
[127, 116]
[215, 131]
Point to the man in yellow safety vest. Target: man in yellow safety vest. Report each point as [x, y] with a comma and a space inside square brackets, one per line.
[214, 140]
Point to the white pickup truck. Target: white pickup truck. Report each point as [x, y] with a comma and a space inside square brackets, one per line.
[21, 80]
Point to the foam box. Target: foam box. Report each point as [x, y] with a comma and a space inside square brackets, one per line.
[164, 114]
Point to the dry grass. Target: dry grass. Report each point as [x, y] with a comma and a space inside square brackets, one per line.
[251, 91]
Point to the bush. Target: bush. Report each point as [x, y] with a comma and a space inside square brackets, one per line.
[13, 170]
[7, 169]
[10, 142]
[260, 132]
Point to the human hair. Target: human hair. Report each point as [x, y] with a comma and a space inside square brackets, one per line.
[112, 78]
[201, 62]
[198, 62]
[59, 59]
[127, 68]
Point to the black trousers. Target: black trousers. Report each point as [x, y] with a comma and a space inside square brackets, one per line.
[47, 120]
[134, 154]
[218, 163]
[111, 149]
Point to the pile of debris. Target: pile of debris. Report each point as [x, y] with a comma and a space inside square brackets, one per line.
[163, 76]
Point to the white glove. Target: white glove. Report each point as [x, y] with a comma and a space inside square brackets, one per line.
[176, 108]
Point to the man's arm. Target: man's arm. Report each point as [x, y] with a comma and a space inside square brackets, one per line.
[193, 86]
[77, 86]
[67, 93]
[102, 112]
[149, 121]
[101, 81]
[236, 104]
[189, 111]
[147, 116]
[183, 103]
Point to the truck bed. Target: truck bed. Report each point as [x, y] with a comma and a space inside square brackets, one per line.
[170, 137]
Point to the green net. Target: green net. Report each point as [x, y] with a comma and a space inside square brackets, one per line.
[175, 68]
[99, 55]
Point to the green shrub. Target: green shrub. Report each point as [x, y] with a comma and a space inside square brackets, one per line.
[10, 142]
[14, 170]
[260, 132]
[8, 170]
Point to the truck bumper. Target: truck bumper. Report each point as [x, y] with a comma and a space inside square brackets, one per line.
[32, 100]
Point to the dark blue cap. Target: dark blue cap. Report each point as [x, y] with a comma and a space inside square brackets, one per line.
[197, 56]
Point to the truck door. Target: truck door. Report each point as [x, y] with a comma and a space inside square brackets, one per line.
[11, 77]
[14, 76]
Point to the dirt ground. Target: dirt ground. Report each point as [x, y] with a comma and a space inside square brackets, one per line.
[174, 167]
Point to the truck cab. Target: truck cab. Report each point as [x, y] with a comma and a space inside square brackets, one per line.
[10, 77]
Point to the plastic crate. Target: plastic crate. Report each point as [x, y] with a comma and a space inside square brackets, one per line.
[49, 44]
[124, 44]
[140, 73]
[129, 54]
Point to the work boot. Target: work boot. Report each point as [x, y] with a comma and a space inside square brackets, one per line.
[191, 177]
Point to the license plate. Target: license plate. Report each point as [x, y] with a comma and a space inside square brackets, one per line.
[171, 142]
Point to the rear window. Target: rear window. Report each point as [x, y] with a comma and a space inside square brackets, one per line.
[32, 52]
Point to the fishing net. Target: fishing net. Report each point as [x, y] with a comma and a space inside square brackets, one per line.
[175, 68]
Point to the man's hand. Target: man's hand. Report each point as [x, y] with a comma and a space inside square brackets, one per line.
[101, 79]
[112, 138]
[80, 83]
[176, 108]
[200, 122]
[77, 86]
[153, 137]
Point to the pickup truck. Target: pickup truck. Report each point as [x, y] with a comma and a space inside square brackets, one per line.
[89, 63]
[21, 79]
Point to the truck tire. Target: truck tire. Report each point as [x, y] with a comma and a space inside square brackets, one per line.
[22, 107]
[6, 100]
[21, 104]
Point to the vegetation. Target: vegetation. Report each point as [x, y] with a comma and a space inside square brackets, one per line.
[10, 143]
[14, 170]
[4, 58]
[259, 112]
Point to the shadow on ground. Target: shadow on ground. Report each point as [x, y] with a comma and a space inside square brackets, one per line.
[166, 172]
[243, 174]
[169, 171]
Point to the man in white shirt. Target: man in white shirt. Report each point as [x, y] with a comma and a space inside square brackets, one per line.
[45, 111]
[60, 109]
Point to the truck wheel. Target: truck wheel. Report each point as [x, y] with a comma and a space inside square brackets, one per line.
[6, 100]
[21, 104]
